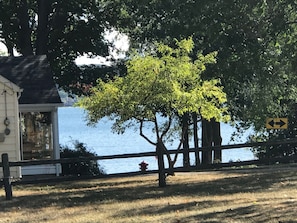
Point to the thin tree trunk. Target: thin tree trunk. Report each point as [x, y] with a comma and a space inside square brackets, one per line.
[161, 168]
[196, 140]
[185, 135]
[217, 140]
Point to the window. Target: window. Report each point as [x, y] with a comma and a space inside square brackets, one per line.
[36, 130]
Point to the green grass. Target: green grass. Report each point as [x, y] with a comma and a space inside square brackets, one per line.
[254, 195]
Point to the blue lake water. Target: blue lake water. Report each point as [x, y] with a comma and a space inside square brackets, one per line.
[101, 140]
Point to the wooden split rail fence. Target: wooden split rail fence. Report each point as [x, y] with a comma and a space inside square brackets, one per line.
[6, 164]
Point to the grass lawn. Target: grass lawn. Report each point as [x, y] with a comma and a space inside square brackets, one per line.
[252, 195]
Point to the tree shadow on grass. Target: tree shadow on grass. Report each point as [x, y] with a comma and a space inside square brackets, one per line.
[248, 213]
[75, 194]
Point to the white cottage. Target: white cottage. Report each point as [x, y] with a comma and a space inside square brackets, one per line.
[9, 122]
[35, 124]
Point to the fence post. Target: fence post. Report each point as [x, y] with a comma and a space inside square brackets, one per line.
[6, 177]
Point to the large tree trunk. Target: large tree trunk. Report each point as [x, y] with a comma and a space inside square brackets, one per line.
[42, 30]
[24, 31]
[206, 141]
[185, 135]
[211, 136]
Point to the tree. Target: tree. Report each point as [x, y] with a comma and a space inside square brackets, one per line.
[278, 82]
[159, 88]
[63, 30]
[89, 168]
[214, 25]
[255, 41]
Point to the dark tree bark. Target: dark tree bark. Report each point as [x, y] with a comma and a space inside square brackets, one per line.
[161, 167]
[211, 136]
[196, 140]
[9, 46]
[217, 140]
[42, 30]
[24, 31]
[185, 135]
[206, 141]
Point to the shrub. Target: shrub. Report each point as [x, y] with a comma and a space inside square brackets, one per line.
[87, 168]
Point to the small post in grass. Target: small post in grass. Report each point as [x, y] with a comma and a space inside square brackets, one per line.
[6, 177]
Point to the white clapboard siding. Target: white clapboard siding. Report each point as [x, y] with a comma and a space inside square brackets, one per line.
[9, 109]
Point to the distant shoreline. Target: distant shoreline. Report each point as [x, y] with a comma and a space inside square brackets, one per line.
[68, 100]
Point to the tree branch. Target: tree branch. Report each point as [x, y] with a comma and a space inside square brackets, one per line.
[179, 146]
[144, 136]
[167, 128]
[157, 127]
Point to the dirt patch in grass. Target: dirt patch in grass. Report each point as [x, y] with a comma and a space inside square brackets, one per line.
[254, 195]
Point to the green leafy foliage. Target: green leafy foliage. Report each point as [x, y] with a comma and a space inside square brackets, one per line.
[164, 84]
[254, 40]
[256, 45]
[63, 30]
[87, 168]
[160, 87]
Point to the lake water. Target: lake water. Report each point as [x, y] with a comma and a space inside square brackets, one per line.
[101, 140]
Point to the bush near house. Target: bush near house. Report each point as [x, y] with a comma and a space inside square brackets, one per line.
[89, 168]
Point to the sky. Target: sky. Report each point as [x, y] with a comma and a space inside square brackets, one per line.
[2, 47]
[120, 42]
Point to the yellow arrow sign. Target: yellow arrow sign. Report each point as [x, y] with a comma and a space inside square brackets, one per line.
[277, 123]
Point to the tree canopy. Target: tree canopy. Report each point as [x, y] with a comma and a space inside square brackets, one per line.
[255, 41]
[160, 86]
[63, 30]
[256, 45]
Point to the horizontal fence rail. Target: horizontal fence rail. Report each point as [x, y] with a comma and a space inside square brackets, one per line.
[145, 154]
[5, 164]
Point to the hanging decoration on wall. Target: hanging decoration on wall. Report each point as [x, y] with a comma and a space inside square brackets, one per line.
[6, 120]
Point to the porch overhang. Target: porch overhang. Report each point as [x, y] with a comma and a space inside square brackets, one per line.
[39, 107]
